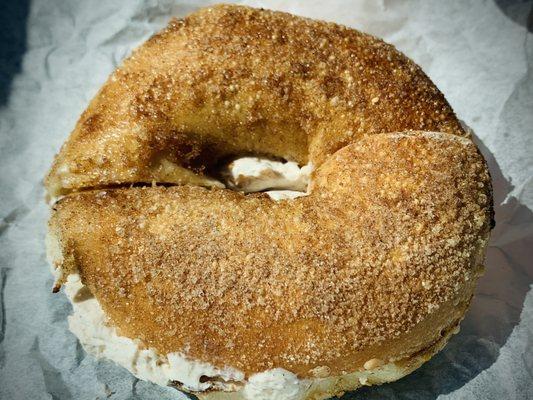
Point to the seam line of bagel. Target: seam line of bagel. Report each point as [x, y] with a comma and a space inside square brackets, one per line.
[117, 186]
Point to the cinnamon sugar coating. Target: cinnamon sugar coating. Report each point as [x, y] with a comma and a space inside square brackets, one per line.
[375, 263]
[231, 80]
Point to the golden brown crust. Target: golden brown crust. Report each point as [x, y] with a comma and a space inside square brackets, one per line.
[374, 263]
[233, 80]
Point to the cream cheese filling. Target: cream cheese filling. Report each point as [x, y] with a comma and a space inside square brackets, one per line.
[280, 180]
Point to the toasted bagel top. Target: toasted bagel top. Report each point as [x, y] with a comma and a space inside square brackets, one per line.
[231, 80]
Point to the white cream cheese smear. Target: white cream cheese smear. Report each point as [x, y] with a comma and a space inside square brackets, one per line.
[281, 180]
[276, 383]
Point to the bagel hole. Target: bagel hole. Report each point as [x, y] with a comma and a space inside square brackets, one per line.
[277, 177]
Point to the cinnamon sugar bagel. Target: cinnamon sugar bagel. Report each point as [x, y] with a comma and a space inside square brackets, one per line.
[237, 296]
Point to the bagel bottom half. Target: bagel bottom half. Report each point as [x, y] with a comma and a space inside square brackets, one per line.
[238, 296]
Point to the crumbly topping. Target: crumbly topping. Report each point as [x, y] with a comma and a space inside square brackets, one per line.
[232, 80]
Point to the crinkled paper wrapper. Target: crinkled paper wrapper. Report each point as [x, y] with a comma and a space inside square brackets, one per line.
[480, 54]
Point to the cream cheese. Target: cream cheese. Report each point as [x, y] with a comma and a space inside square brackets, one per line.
[276, 383]
[281, 180]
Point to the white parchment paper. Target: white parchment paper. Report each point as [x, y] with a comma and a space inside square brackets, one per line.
[479, 53]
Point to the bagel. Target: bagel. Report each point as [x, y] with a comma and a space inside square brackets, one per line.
[237, 296]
